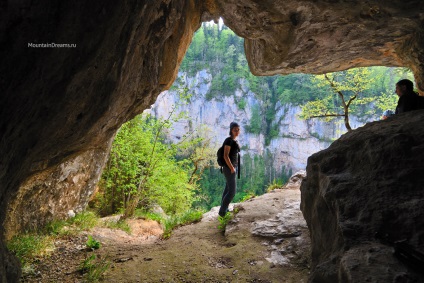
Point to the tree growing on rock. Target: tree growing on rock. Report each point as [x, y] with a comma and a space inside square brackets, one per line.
[344, 89]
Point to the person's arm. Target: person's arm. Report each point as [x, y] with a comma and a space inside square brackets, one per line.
[227, 149]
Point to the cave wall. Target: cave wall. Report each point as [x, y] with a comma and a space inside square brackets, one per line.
[60, 103]
[57, 193]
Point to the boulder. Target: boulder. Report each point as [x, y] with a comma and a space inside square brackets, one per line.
[295, 180]
[362, 198]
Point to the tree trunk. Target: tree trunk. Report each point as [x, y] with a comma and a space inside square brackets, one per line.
[346, 119]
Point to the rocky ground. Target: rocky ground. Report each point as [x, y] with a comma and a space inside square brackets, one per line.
[267, 241]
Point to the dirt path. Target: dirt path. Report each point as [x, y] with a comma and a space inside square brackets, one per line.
[267, 241]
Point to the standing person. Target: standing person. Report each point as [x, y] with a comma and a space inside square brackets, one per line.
[408, 99]
[231, 150]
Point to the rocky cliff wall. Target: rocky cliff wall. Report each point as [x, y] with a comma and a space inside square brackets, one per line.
[362, 197]
[297, 139]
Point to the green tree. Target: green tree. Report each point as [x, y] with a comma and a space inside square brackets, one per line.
[142, 170]
[348, 86]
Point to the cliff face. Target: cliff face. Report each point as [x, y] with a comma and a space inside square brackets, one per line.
[362, 196]
[297, 139]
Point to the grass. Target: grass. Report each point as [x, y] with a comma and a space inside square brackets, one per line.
[92, 269]
[121, 225]
[274, 186]
[247, 197]
[223, 221]
[84, 221]
[172, 222]
[30, 246]
[190, 216]
[149, 215]
[38, 244]
[56, 227]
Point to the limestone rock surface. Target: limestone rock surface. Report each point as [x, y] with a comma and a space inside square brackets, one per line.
[362, 196]
[276, 220]
[295, 180]
[55, 194]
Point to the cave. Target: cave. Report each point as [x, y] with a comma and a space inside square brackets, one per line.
[73, 72]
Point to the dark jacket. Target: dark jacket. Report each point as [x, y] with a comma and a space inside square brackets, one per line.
[407, 102]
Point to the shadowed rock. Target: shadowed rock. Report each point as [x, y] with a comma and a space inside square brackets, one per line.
[361, 195]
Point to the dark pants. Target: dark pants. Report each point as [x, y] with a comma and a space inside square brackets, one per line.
[230, 190]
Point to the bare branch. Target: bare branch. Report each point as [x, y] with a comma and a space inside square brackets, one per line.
[327, 115]
[350, 100]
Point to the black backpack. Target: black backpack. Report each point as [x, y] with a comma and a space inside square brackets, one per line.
[220, 156]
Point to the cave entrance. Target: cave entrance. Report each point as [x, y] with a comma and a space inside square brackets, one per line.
[214, 87]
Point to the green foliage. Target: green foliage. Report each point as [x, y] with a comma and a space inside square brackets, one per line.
[241, 104]
[224, 220]
[190, 216]
[321, 107]
[363, 92]
[29, 246]
[93, 269]
[120, 225]
[274, 185]
[92, 243]
[246, 197]
[142, 165]
[139, 213]
[56, 227]
[344, 88]
[386, 101]
[85, 220]
[255, 126]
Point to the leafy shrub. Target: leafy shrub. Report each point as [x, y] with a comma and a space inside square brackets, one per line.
[273, 186]
[92, 243]
[223, 221]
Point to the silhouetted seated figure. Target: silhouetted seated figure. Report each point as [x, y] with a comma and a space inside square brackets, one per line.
[408, 99]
